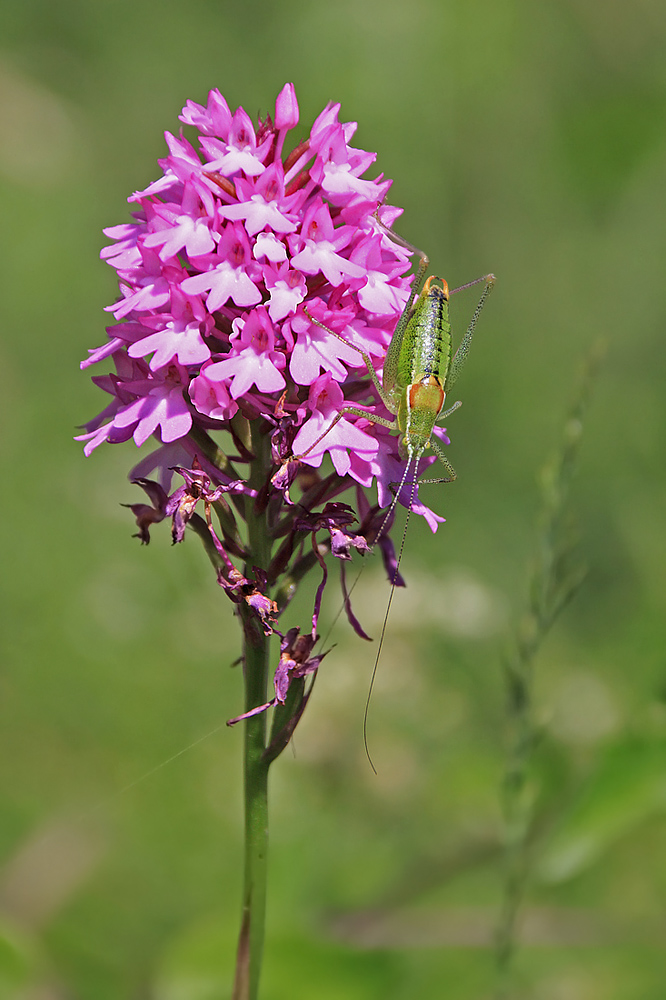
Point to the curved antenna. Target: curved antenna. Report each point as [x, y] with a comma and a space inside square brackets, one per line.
[415, 459]
[379, 534]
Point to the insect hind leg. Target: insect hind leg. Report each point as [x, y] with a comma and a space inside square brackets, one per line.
[460, 356]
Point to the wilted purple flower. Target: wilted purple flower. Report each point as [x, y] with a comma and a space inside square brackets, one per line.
[295, 664]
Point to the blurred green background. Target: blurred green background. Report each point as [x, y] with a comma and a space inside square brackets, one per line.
[525, 139]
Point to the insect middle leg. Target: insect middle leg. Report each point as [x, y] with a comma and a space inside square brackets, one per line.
[445, 462]
[356, 411]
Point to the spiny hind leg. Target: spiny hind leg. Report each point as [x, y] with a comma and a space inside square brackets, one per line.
[460, 356]
[386, 399]
[424, 260]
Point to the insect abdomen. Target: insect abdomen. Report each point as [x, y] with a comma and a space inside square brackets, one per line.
[426, 345]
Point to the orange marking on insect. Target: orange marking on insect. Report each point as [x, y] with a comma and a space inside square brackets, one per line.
[427, 394]
[438, 283]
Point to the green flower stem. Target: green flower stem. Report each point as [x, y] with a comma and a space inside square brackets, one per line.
[256, 673]
[212, 451]
[251, 938]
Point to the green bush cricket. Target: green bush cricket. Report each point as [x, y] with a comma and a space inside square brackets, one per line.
[418, 373]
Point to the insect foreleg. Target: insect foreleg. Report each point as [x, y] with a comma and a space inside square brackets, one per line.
[451, 409]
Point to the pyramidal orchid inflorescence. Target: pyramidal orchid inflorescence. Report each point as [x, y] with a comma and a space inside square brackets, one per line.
[232, 253]
[244, 264]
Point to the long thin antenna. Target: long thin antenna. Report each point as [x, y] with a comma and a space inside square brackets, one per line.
[374, 543]
[390, 600]
[124, 789]
[394, 501]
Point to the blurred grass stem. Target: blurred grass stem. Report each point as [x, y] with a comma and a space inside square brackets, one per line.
[555, 579]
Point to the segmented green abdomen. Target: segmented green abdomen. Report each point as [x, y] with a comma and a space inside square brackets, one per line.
[426, 344]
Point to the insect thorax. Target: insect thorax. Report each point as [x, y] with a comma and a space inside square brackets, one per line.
[420, 406]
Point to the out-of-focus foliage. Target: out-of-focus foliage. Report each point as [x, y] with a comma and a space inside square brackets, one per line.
[524, 139]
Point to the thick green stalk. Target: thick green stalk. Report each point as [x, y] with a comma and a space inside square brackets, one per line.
[256, 669]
